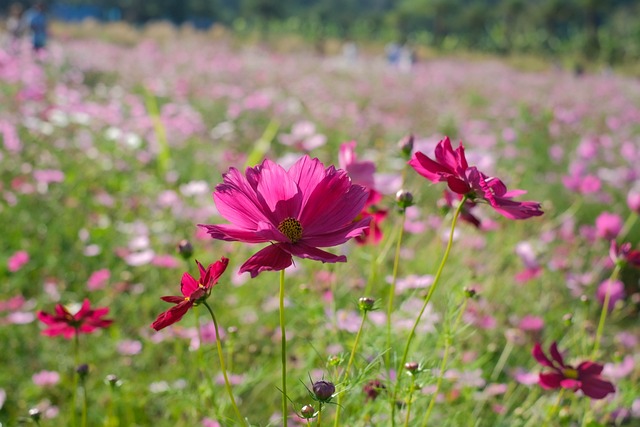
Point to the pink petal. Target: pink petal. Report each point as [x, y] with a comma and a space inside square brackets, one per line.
[550, 380]
[589, 369]
[279, 192]
[428, 168]
[539, 355]
[338, 236]
[597, 388]
[231, 233]
[172, 299]
[307, 173]
[305, 251]
[188, 284]
[555, 354]
[271, 258]
[570, 384]
[237, 202]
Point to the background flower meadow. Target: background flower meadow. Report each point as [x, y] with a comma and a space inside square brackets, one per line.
[111, 151]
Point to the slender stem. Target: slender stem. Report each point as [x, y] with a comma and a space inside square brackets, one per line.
[76, 362]
[410, 401]
[432, 289]
[85, 404]
[555, 408]
[628, 225]
[392, 288]
[605, 310]
[283, 353]
[319, 417]
[222, 365]
[336, 423]
[443, 364]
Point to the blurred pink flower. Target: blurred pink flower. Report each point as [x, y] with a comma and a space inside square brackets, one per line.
[531, 323]
[166, 261]
[47, 176]
[98, 279]
[46, 378]
[208, 422]
[616, 292]
[633, 200]
[17, 261]
[129, 347]
[608, 225]
[86, 320]
[298, 211]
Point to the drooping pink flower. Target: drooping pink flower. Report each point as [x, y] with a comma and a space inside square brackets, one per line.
[450, 200]
[298, 211]
[17, 261]
[363, 173]
[451, 167]
[85, 321]
[193, 292]
[624, 255]
[585, 377]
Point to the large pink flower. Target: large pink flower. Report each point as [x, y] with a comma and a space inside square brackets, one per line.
[585, 377]
[451, 166]
[298, 211]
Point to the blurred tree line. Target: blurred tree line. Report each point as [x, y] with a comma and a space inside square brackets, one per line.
[605, 30]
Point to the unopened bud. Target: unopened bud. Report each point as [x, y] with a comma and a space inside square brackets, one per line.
[411, 366]
[334, 360]
[406, 145]
[568, 319]
[404, 199]
[35, 414]
[307, 412]
[112, 380]
[470, 292]
[323, 390]
[366, 304]
[82, 370]
[185, 248]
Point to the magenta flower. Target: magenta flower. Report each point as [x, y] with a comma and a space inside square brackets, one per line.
[585, 377]
[451, 167]
[298, 211]
[608, 225]
[624, 255]
[85, 321]
[17, 261]
[193, 292]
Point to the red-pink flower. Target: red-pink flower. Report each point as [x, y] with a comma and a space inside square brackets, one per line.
[585, 377]
[363, 173]
[84, 321]
[193, 292]
[298, 211]
[624, 255]
[451, 167]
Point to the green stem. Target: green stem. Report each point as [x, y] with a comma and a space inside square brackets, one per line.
[408, 416]
[605, 310]
[76, 362]
[555, 408]
[283, 353]
[222, 365]
[627, 226]
[85, 404]
[392, 288]
[432, 289]
[443, 364]
[319, 417]
[349, 364]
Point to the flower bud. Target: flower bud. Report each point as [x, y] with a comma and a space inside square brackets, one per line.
[366, 304]
[406, 145]
[83, 371]
[334, 360]
[185, 248]
[568, 319]
[323, 390]
[411, 367]
[470, 292]
[113, 380]
[307, 412]
[404, 199]
[35, 414]
[373, 389]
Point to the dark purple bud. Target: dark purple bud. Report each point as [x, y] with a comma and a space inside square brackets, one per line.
[323, 390]
[185, 248]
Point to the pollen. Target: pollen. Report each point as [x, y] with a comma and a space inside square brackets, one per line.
[291, 228]
[570, 373]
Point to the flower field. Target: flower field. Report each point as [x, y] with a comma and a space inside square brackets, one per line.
[366, 253]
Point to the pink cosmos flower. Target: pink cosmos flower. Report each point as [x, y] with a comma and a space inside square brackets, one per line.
[98, 279]
[193, 292]
[85, 321]
[608, 225]
[624, 255]
[46, 378]
[298, 211]
[17, 260]
[615, 290]
[585, 377]
[363, 173]
[451, 167]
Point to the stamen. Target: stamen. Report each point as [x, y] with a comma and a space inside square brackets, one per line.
[291, 228]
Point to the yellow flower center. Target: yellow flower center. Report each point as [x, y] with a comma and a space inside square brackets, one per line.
[291, 228]
[570, 373]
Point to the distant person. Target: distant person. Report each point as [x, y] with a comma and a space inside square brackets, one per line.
[392, 51]
[37, 22]
[15, 26]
